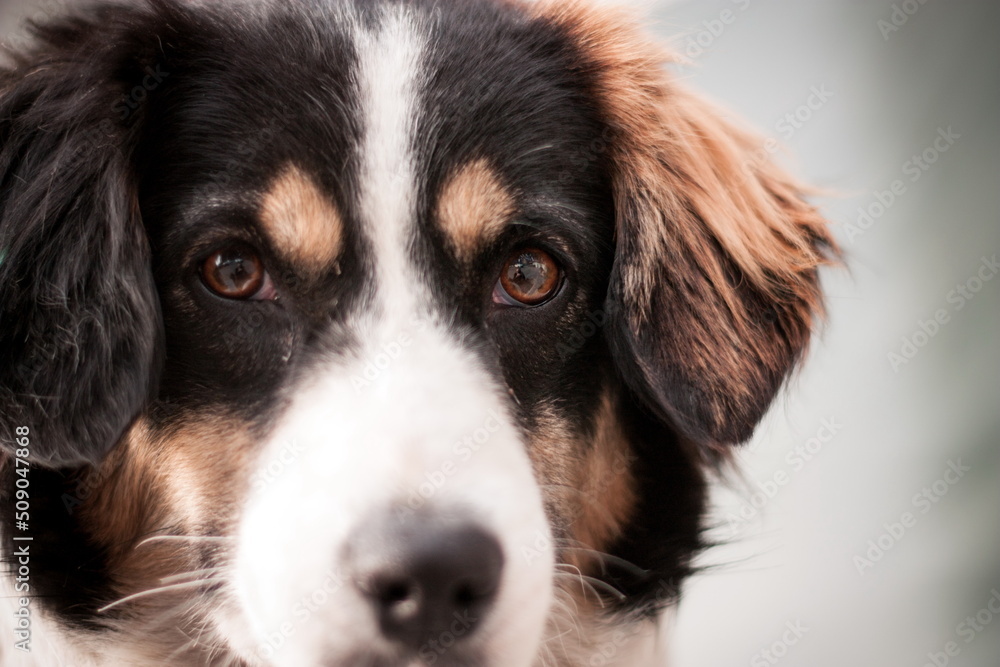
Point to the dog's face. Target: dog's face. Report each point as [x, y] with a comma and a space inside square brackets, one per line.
[387, 333]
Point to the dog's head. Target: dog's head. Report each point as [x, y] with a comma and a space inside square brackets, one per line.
[378, 333]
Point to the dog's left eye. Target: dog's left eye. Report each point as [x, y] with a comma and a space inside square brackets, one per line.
[237, 272]
[530, 277]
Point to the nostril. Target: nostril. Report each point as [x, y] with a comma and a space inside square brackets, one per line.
[398, 599]
[472, 592]
[396, 592]
[465, 596]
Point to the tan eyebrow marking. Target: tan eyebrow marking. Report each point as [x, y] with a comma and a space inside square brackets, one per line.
[474, 207]
[301, 220]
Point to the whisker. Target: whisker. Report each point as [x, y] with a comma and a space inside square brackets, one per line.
[563, 625]
[193, 573]
[193, 643]
[577, 575]
[160, 589]
[192, 538]
[190, 644]
[594, 583]
[608, 558]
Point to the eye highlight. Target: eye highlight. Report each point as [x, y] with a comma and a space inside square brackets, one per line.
[529, 277]
[237, 272]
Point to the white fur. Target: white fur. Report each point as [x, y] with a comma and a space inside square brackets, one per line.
[412, 408]
[48, 645]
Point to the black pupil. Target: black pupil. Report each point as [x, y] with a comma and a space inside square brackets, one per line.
[529, 273]
[234, 270]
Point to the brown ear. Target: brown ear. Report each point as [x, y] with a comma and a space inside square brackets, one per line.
[715, 279]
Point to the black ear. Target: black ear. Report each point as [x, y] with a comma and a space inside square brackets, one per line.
[80, 329]
[714, 288]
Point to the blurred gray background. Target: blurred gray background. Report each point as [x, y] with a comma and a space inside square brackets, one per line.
[870, 85]
[880, 548]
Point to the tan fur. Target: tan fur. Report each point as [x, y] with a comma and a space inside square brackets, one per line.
[301, 221]
[589, 489]
[606, 481]
[711, 238]
[184, 480]
[553, 450]
[473, 208]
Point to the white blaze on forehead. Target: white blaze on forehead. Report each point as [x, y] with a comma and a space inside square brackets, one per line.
[390, 77]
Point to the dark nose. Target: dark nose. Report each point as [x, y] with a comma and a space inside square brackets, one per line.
[426, 577]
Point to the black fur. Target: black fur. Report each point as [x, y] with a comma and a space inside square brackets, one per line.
[80, 329]
[118, 128]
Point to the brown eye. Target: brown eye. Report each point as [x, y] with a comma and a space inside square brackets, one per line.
[530, 277]
[234, 272]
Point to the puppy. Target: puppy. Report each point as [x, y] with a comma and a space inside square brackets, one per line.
[373, 332]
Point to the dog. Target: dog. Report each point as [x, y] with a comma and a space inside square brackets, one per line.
[374, 332]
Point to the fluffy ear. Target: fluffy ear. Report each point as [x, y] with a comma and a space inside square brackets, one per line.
[715, 279]
[79, 315]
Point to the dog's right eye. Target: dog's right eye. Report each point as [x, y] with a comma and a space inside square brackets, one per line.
[237, 272]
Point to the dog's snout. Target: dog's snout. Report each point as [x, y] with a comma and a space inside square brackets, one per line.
[426, 578]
